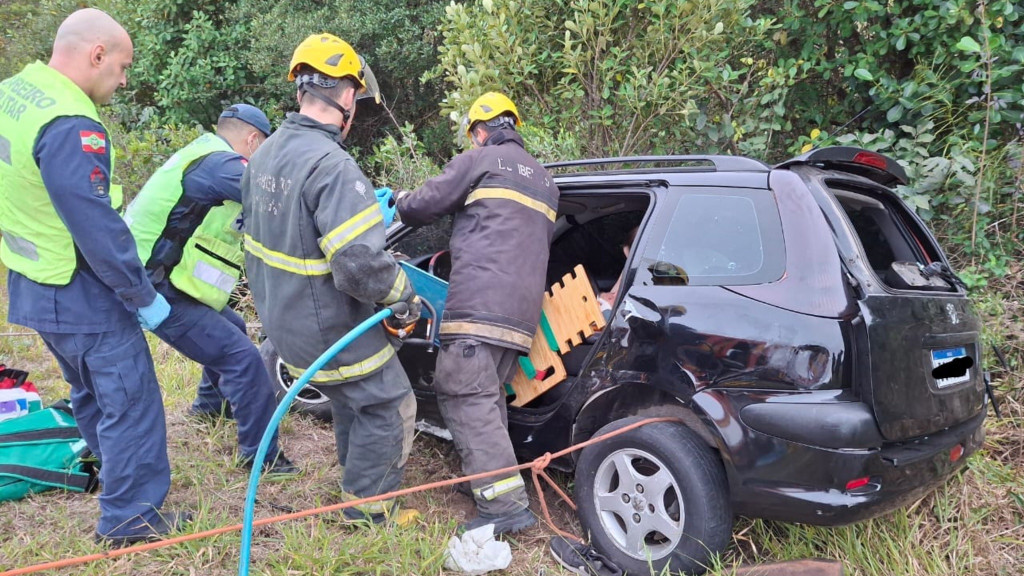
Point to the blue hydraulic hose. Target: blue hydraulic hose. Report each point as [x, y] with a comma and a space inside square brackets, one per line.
[282, 408]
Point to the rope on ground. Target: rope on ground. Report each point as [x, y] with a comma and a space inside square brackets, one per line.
[537, 467]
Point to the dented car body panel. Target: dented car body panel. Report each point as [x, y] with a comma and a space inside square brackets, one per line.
[772, 313]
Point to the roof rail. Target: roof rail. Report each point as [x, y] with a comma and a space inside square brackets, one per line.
[722, 163]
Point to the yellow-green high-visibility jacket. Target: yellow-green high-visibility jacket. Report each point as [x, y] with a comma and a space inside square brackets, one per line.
[203, 261]
[35, 241]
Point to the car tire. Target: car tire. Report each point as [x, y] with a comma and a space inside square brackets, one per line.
[688, 521]
[309, 401]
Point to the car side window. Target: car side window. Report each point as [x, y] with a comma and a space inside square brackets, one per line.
[728, 237]
[425, 240]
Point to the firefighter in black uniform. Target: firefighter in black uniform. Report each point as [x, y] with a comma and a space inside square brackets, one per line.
[505, 205]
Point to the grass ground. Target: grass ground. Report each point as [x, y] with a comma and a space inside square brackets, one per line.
[972, 525]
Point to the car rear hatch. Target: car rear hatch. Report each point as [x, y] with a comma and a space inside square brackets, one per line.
[915, 342]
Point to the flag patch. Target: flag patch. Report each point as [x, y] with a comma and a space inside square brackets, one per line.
[93, 142]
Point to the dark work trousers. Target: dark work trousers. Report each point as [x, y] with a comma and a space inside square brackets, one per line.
[218, 341]
[209, 397]
[120, 412]
[469, 381]
[374, 421]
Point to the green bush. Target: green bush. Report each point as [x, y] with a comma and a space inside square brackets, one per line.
[194, 57]
[622, 76]
[187, 62]
[933, 83]
[401, 163]
[27, 29]
[906, 60]
[141, 152]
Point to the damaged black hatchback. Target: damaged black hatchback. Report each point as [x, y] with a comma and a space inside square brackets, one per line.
[799, 323]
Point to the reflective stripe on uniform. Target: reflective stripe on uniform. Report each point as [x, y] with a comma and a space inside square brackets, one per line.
[349, 230]
[487, 331]
[204, 272]
[349, 372]
[5, 150]
[379, 507]
[499, 488]
[506, 194]
[397, 288]
[282, 261]
[21, 247]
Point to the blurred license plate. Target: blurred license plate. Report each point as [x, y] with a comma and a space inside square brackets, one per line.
[945, 356]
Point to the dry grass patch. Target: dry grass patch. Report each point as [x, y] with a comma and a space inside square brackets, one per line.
[972, 525]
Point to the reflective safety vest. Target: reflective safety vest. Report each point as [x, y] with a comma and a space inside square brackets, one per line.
[211, 255]
[35, 243]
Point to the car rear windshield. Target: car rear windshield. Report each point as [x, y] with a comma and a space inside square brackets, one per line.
[895, 245]
[731, 237]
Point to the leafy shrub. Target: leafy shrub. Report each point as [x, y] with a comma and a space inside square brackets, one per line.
[401, 164]
[194, 57]
[27, 29]
[933, 83]
[623, 76]
[141, 152]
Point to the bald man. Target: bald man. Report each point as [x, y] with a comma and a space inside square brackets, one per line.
[74, 273]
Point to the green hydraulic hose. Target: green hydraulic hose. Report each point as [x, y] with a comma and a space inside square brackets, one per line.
[282, 408]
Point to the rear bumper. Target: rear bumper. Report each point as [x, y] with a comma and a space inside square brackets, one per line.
[782, 479]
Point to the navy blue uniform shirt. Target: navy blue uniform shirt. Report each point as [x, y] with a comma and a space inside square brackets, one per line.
[110, 282]
[215, 178]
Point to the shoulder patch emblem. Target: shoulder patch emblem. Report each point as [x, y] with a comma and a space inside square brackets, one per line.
[93, 142]
[99, 183]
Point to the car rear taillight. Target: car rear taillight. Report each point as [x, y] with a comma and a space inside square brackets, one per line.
[857, 483]
[870, 159]
[863, 486]
[956, 452]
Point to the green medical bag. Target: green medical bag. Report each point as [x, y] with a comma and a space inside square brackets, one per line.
[44, 450]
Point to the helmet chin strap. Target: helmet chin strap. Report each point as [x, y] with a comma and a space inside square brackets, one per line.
[345, 114]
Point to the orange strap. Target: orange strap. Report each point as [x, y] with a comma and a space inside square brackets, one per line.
[537, 466]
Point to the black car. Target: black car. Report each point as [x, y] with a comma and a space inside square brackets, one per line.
[799, 321]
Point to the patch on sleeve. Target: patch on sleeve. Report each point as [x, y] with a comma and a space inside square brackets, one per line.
[93, 142]
[98, 180]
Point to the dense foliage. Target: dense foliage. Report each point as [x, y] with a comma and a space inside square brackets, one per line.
[625, 77]
[934, 83]
[26, 31]
[193, 57]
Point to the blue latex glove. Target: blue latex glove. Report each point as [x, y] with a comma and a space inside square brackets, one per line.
[386, 200]
[150, 317]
